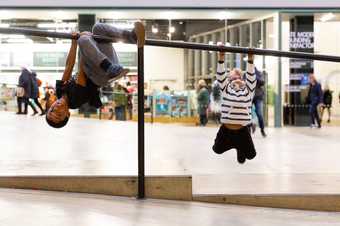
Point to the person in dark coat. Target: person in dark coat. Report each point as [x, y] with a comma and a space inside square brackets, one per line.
[315, 97]
[258, 100]
[25, 82]
[203, 102]
[327, 102]
[35, 92]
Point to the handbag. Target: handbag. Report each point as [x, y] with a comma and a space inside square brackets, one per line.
[20, 91]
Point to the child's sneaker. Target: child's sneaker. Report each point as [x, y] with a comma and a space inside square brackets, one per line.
[121, 74]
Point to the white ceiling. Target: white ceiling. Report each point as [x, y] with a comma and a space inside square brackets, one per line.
[175, 3]
[135, 14]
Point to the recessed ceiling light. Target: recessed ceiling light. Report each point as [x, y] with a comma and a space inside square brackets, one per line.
[327, 17]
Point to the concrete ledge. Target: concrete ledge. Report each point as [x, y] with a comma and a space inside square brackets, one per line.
[161, 187]
[169, 187]
[319, 202]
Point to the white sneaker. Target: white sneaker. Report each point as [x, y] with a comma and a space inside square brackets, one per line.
[122, 74]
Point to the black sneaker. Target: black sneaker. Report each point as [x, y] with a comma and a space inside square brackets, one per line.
[250, 155]
[253, 127]
[241, 158]
[263, 133]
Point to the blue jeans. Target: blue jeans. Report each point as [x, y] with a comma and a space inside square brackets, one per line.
[258, 110]
[314, 115]
[120, 113]
[203, 119]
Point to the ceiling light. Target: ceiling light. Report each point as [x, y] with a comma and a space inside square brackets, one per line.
[57, 25]
[154, 29]
[6, 14]
[169, 15]
[123, 25]
[222, 15]
[327, 17]
[19, 40]
[172, 29]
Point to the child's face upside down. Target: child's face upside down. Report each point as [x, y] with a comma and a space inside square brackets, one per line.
[59, 110]
[236, 79]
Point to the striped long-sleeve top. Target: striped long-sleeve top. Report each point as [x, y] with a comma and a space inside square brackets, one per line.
[236, 103]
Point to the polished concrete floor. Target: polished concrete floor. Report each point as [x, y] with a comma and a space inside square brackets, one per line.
[37, 208]
[290, 160]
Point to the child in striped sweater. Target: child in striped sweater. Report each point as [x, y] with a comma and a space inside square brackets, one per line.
[237, 95]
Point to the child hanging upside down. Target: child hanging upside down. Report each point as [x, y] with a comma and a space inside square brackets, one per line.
[236, 103]
[98, 67]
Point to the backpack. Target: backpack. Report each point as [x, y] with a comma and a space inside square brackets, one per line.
[39, 82]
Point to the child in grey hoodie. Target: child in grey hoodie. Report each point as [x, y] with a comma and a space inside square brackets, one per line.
[99, 66]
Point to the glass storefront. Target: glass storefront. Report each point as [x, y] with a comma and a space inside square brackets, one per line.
[181, 69]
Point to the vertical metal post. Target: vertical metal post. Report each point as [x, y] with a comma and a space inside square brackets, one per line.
[278, 96]
[141, 135]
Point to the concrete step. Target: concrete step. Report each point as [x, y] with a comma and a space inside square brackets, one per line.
[319, 202]
[169, 187]
[158, 187]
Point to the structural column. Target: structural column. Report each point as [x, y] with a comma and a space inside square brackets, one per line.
[213, 55]
[278, 96]
[204, 64]
[197, 61]
[190, 65]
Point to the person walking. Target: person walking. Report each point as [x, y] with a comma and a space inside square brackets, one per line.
[120, 99]
[25, 82]
[258, 100]
[35, 82]
[327, 102]
[20, 92]
[216, 101]
[203, 102]
[314, 98]
[129, 90]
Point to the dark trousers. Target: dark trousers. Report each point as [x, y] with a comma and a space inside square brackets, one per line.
[129, 108]
[25, 100]
[20, 100]
[314, 115]
[241, 140]
[28, 102]
[120, 113]
[203, 119]
[36, 101]
[258, 110]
